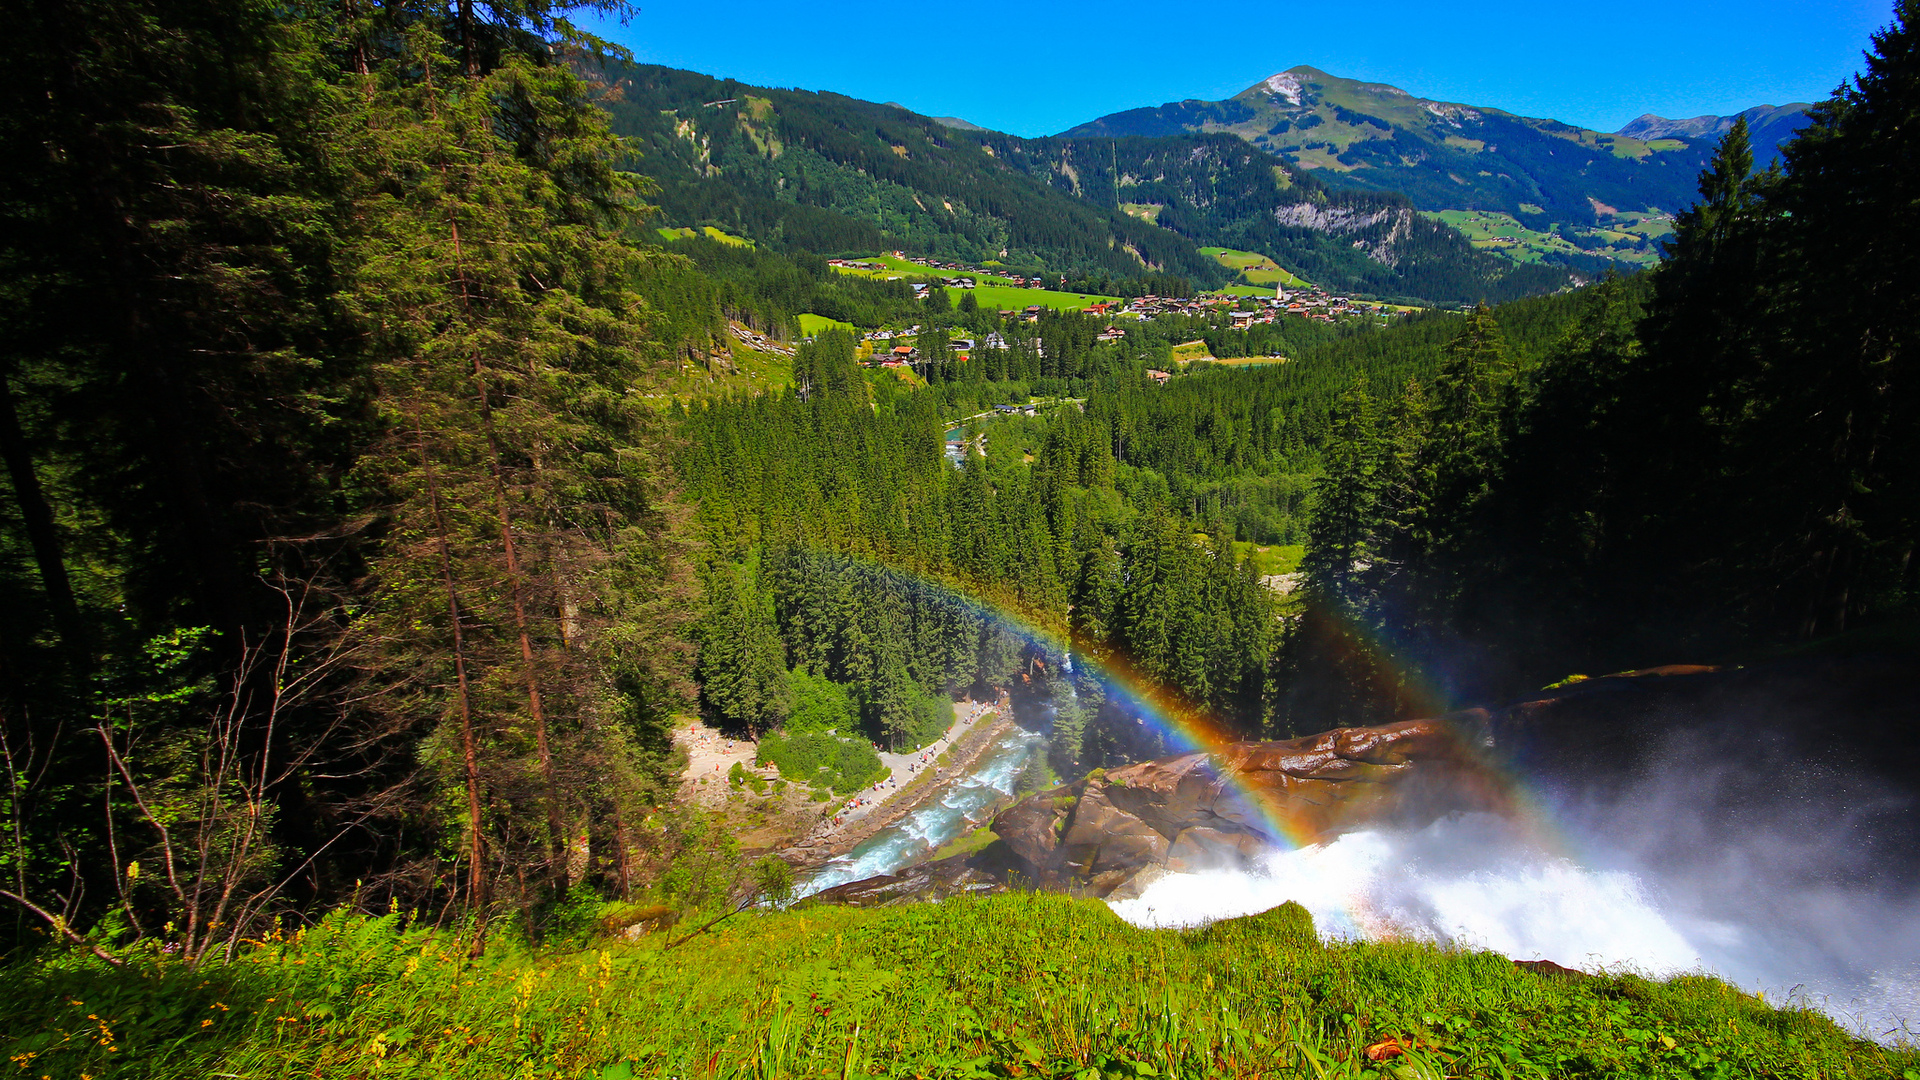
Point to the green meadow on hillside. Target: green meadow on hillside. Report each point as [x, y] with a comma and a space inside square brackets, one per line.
[1491, 230]
[811, 324]
[711, 233]
[1008, 298]
[1020, 985]
[1255, 268]
[897, 267]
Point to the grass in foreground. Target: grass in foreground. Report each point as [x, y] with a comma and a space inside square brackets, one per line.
[1005, 986]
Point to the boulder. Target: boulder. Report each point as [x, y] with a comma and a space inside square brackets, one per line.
[1206, 847]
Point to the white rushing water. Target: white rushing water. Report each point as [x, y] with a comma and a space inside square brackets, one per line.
[1476, 881]
[964, 804]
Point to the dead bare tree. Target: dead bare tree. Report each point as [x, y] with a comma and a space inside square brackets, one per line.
[199, 801]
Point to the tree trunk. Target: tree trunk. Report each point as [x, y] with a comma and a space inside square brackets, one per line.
[556, 855]
[556, 862]
[38, 519]
[476, 873]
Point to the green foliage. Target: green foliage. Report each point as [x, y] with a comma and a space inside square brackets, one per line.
[819, 704]
[743, 667]
[1222, 191]
[833, 762]
[321, 332]
[1041, 985]
[1713, 458]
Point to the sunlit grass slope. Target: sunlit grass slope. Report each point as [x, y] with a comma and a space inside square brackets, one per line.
[1007, 986]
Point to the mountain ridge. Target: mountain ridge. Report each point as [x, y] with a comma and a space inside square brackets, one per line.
[1769, 127]
[833, 174]
[1607, 195]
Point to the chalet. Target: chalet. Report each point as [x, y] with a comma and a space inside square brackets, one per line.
[1160, 377]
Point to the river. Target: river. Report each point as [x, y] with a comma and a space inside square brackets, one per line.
[960, 806]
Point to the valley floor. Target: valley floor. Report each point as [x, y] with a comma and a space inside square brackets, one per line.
[787, 817]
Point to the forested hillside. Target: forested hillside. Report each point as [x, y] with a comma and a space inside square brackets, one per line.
[1729, 464]
[826, 173]
[1590, 188]
[1217, 190]
[339, 555]
[831, 174]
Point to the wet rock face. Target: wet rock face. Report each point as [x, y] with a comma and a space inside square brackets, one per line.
[928, 881]
[1201, 811]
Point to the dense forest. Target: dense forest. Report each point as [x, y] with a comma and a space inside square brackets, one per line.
[1719, 463]
[826, 173]
[355, 551]
[340, 558]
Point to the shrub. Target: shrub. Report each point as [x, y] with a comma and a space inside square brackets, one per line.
[844, 765]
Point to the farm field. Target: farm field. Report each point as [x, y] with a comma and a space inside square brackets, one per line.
[746, 370]
[1007, 297]
[903, 269]
[711, 233]
[1256, 268]
[1491, 230]
[811, 324]
[1244, 361]
[1189, 351]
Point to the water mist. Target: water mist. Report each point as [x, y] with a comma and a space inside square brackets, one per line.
[1726, 853]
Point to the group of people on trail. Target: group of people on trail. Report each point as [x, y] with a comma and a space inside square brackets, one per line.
[965, 712]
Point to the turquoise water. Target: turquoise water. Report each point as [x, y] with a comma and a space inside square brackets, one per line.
[964, 804]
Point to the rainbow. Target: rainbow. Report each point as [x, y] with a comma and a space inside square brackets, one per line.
[1183, 728]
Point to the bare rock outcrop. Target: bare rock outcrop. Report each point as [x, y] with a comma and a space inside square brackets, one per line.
[1197, 811]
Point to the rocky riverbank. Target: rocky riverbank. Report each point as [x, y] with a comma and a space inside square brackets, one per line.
[826, 842]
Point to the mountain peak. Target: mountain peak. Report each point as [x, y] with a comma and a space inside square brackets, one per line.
[1769, 126]
[1286, 84]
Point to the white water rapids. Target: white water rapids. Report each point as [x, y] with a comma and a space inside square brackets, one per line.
[961, 806]
[1476, 882]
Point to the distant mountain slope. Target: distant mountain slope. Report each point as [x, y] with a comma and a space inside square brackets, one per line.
[1449, 156]
[1219, 191]
[834, 174]
[837, 175]
[1769, 126]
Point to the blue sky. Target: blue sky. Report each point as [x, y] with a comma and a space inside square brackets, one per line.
[1040, 67]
